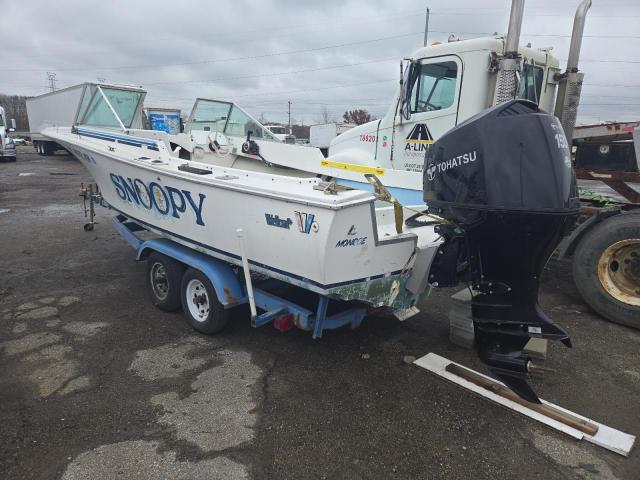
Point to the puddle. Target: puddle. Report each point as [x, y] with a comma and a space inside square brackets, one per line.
[26, 174]
[4, 210]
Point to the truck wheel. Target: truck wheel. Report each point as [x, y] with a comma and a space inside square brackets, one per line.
[164, 275]
[606, 269]
[200, 303]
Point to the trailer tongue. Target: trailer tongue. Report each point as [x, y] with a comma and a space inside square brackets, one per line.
[504, 181]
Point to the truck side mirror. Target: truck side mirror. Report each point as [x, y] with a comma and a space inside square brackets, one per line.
[406, 81]
[13, 125]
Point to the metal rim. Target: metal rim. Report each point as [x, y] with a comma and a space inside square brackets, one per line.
[159, 281]
[197, 299]
[619, 271]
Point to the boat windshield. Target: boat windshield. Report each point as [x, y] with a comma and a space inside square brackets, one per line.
[227, 118]
[107, 107]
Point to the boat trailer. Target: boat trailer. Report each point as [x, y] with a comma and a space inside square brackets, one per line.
[233, 288]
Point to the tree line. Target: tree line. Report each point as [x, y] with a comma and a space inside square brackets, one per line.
[15, 106]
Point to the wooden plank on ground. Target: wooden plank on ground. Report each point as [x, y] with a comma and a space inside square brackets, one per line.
[604, 436]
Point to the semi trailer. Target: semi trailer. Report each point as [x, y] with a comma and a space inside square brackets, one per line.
[59, 109]
[605, 247]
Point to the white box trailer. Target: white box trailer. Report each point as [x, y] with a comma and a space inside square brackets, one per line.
[59, 109]
[320, 136]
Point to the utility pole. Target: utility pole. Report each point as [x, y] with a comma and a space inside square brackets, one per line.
[51, 78]
[289, 102]
[426, 28]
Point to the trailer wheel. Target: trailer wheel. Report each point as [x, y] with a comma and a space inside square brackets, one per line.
[164, 275]
[606, 269]
[200, 303]
[47, 149]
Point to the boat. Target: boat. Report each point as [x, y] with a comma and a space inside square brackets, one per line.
[348, 244]
[298, 229]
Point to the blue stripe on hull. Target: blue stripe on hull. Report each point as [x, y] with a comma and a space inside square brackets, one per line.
[127, 140]
[405, 196]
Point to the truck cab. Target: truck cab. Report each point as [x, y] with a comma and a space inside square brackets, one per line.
[7, 147]
[441, 86]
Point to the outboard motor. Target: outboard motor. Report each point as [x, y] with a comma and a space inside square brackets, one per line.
[503, 181]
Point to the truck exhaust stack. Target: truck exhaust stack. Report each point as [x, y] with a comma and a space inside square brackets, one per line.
[504, 183]
[570, 82]
[515, 27]
[510, 64]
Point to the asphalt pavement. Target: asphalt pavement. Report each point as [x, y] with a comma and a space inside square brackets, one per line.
[97, 383]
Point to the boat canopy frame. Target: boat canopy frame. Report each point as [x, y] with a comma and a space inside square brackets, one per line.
[91, 91]
[232, 108]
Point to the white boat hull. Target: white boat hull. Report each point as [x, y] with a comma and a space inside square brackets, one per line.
[336, 245]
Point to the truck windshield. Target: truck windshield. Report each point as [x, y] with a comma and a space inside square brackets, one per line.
[278, 130]
[531, 83]
[434, 87]
[95, 111]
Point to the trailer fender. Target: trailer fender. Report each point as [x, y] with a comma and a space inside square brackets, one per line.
[570, 242]
[224, 280]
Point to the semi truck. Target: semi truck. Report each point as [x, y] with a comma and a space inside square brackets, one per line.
[7, 146]
[434, 96]
[59, 109]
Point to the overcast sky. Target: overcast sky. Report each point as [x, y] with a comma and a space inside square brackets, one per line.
[342, 54]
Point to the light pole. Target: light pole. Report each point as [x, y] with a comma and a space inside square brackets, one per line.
[426, 28]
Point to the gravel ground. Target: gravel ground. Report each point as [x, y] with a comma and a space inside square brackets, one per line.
[96, 383]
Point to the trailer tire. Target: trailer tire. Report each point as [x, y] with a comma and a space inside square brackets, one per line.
[200, 303]
[606, 266]
[164, 276]
[48, 149]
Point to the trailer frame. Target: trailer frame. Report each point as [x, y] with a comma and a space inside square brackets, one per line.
[232, 291]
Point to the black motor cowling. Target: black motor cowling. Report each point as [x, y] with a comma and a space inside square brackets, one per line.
[503, 180]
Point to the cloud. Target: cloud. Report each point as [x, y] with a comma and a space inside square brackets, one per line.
[264, 53]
